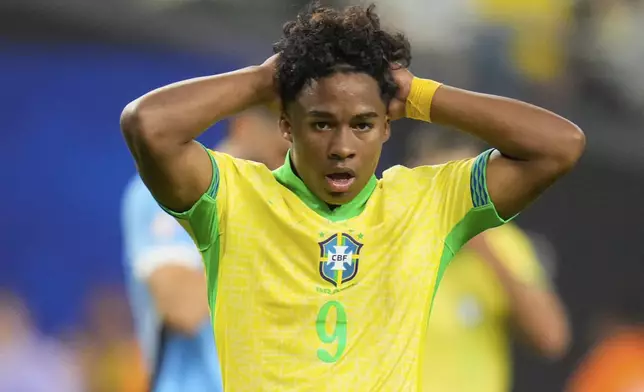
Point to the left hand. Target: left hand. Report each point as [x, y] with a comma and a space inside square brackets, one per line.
[272, 100]
[403, 79]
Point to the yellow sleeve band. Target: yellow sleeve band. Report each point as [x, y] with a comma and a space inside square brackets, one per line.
[419, 101]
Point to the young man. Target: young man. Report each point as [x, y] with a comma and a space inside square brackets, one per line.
[320, 276]
[495, 286]
[165, 274]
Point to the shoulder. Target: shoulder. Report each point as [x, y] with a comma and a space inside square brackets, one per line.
[404, 176]
[400, 172]
[430, 172]
[416, 189]
[241, 179]
[229, 161]
[422, 177]
[227, 165]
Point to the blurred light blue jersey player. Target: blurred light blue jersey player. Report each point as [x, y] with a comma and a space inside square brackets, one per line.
[177, 361]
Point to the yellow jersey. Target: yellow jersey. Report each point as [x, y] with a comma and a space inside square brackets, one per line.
[468, 338]
[308, 298]
[534, 29]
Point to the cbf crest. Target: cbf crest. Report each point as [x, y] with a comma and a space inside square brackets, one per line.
[339, 258]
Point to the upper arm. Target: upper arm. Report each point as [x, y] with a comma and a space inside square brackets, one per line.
[513, 184]
[176, 173]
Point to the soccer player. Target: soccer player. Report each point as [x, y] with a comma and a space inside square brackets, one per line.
[165, 273]
[320, 276]
[495, 285]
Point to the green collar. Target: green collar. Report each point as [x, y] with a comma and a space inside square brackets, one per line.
[287, 177]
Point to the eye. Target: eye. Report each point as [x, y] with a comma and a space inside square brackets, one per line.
[363, 127]
[322, 126]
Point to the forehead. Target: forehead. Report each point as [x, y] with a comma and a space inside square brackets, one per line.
[354, 92]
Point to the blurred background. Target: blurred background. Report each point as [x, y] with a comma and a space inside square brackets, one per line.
[68, 67]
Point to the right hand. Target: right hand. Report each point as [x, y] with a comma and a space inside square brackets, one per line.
[271, 62]
[273, 99]
[403, 78]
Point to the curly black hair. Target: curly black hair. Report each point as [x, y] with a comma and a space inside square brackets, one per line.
[322, 41]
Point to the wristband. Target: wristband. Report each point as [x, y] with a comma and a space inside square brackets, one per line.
[419, 100]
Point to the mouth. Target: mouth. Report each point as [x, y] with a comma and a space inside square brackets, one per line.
[340, 181]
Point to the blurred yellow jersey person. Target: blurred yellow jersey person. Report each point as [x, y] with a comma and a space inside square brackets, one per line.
[536, 27]
[468, 341]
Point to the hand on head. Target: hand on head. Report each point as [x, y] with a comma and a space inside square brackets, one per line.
[401, 75]
[403, 78]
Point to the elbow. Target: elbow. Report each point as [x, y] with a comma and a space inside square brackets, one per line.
[555, 344]
[132, 124]
[555, 349]
[137, 126]
[569, 147]
[130, 120]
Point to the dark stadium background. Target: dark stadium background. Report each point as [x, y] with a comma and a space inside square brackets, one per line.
[68, 67]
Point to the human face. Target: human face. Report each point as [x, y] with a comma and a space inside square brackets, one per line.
[337, 126]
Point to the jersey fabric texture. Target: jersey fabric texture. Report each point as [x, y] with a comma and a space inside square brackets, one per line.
[469, 331]
[309, 298]
[152, 239]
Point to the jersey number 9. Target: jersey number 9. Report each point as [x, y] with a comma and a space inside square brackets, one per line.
[339, 332]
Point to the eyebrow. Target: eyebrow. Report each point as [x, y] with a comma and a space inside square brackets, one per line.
[318, 113]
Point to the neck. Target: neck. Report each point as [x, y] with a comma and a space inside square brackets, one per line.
[287, 176]
[294, 169]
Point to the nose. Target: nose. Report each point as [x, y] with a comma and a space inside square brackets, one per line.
[342, 144]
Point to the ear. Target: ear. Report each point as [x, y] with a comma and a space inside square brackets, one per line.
[285, 127]
[387, 133]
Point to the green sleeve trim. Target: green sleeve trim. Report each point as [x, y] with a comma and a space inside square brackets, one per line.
[475, 221]
[211, 253]
[479, 190]
[446, 257]
[201, 220]
[214, 182]
[482, 217]
[185, 215]
[211, 258]
[478, 180]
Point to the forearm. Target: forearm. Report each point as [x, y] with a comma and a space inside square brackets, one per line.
[160, 127]
[538, 316]
[180, 112]
[517, 129]
[186, 313]
[180, 296]
[536, 312]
